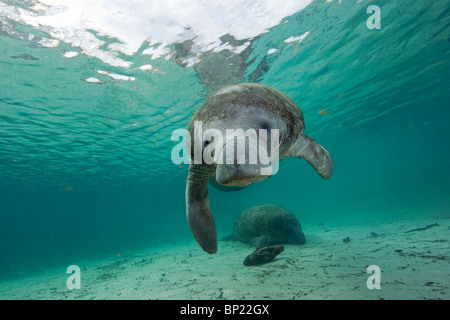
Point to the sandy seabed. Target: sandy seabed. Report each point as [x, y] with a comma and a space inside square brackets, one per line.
[413, 257]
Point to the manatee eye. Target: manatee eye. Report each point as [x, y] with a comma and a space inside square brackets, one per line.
[207, 142]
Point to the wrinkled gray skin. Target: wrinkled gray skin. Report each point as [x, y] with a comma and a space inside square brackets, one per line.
[267, 225]
[244, 106]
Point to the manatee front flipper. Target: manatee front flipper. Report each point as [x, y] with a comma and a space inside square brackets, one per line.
[198, 212]
[263, 241]
[316, 155]
[263, 255]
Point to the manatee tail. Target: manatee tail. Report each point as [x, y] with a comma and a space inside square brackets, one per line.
[198, 212]
[316, 155]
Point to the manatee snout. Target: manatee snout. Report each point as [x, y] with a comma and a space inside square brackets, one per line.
[290, 230]
[239, 175]
[295, 236]
[239, 164]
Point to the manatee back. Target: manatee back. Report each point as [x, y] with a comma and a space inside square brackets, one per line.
[269, 221]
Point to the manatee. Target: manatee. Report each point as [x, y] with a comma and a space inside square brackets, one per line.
[267, 225]
[243, 107]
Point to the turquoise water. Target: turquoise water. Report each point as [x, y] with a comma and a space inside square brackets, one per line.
[85, 167]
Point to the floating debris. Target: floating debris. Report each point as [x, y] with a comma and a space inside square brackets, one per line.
[299, 38]
[116, 76]
[70, 54]
[93, 80]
